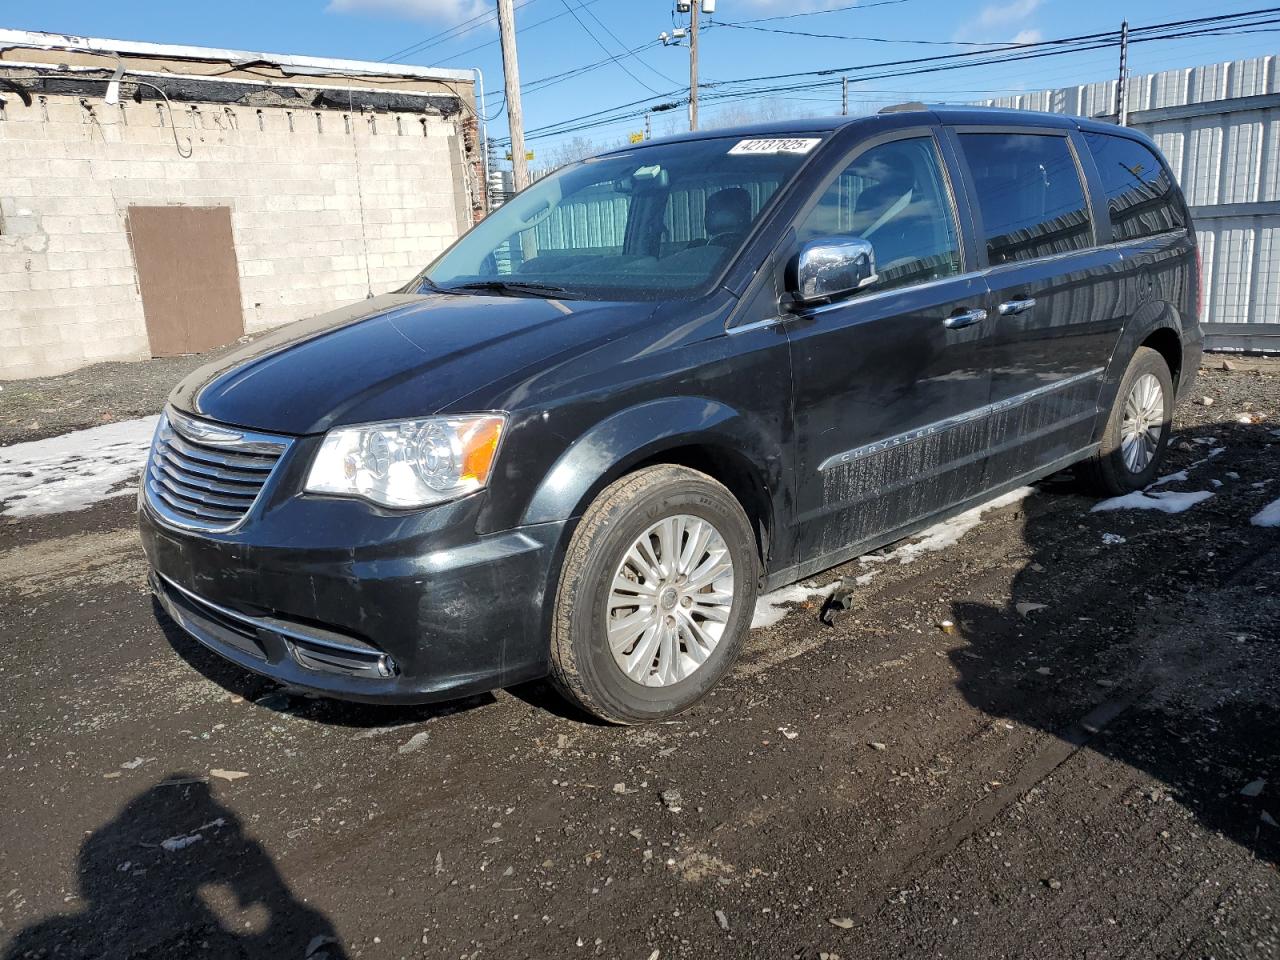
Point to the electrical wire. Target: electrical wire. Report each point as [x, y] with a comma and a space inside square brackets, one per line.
[173, 127]
[816, 13]
[737, 89]
[531, 26]
[599, 43]
[843, 36]
[644, 63]
[542, 83]
[457, 30]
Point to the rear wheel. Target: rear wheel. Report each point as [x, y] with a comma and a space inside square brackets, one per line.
[1137, 430]
[656, 595]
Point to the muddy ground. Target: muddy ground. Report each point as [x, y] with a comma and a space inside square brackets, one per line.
[1080, 779]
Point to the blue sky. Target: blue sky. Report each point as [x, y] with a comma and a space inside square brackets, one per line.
[373, 29]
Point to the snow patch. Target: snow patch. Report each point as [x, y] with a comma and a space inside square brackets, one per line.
[773, 607]
[75, 470]
[1166, 502]
[948, 533]
[1169, 478]
[1268, 516]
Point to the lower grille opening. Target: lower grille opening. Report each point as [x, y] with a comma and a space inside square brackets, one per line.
[272, 639]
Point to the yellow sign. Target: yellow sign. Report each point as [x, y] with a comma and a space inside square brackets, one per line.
[528, 154]
[637, 138]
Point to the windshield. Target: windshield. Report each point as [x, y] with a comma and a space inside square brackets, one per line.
[655, 220]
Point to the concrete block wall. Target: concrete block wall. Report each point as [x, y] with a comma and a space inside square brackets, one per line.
[296, 182]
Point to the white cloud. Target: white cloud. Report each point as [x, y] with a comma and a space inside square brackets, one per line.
[1003, 14]
[996, 20]
[447, 11]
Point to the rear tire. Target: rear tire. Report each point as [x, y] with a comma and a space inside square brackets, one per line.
[656, 595]
[1137, 431]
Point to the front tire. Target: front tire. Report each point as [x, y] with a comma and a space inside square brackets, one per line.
[1138, 427]
[656, 595]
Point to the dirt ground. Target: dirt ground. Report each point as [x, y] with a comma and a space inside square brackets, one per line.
[1085, 764]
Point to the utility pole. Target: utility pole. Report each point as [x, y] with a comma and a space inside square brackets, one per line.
[1122, 86]
[844, 96]
[511, 76]
[648, 125]
[693, 65]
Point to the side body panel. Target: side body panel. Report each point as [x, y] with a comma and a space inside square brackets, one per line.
[890, 397]
[1054, 324]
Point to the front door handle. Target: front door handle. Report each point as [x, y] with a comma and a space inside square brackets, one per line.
[964, 319]
[1011, 307]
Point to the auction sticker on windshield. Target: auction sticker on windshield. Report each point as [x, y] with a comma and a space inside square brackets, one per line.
[787, 145]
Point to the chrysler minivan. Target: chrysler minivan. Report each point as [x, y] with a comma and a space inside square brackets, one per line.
[663, 380]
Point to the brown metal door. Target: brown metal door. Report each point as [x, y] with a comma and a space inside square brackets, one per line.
[188, 277]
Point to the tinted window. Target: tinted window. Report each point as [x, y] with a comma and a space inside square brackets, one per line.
[1141, 196]
[895, 196]
[654, 221]
[710, 203]
[1030, 195]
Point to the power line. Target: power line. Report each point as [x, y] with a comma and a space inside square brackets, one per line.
[457, 30]
[543, 83]
[613, 115]
[621, 45]
[490, 43]
[815, 13]
[843, 36]
[736, 89]
[599, 43]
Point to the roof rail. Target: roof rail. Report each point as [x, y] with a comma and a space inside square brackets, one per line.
[904, 107]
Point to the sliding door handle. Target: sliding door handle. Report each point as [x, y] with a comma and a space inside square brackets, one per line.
[1011, 307]
[964, 319]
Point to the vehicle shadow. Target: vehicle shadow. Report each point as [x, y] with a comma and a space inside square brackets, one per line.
[272, 696]
[1161, 651]
[175, 875]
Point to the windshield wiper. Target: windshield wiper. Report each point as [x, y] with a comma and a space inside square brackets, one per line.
[508, 287]
[431, 285]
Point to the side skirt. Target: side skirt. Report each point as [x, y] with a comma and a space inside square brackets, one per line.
[806, 568]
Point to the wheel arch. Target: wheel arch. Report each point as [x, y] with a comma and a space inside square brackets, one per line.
[695, 432]
[1168, 343]
[1157, 326]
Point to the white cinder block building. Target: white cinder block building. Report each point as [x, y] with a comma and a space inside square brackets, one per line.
[158, 200]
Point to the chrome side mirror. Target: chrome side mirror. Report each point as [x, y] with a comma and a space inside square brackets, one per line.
[830, 267]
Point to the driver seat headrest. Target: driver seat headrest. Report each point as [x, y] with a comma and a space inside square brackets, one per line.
[728, 211]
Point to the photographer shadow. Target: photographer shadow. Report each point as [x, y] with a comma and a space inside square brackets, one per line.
[175, 875]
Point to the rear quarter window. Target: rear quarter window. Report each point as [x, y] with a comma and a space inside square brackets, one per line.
[1142, 198]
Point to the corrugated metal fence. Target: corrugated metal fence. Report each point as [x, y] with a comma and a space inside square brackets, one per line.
[1219, 126]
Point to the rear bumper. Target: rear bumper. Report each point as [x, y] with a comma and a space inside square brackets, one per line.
[392, 609]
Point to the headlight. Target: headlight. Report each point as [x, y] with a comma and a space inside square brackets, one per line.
[411, 463]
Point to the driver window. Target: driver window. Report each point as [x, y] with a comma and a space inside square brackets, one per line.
[895, 196]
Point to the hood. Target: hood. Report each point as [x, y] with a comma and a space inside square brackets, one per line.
[393, 357]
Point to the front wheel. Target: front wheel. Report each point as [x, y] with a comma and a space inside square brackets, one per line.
[656, 595]
[1137, 430]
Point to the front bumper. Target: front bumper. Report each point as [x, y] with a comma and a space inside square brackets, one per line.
[359, 604]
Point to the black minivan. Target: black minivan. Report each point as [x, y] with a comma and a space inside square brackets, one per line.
[665, 379]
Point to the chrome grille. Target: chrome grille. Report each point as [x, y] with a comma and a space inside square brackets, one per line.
[204, 476]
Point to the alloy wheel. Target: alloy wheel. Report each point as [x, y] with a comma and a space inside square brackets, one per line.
[670, 600]
[1142, 423]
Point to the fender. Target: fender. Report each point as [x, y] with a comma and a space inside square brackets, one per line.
[635, 434]
[1150, 317]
